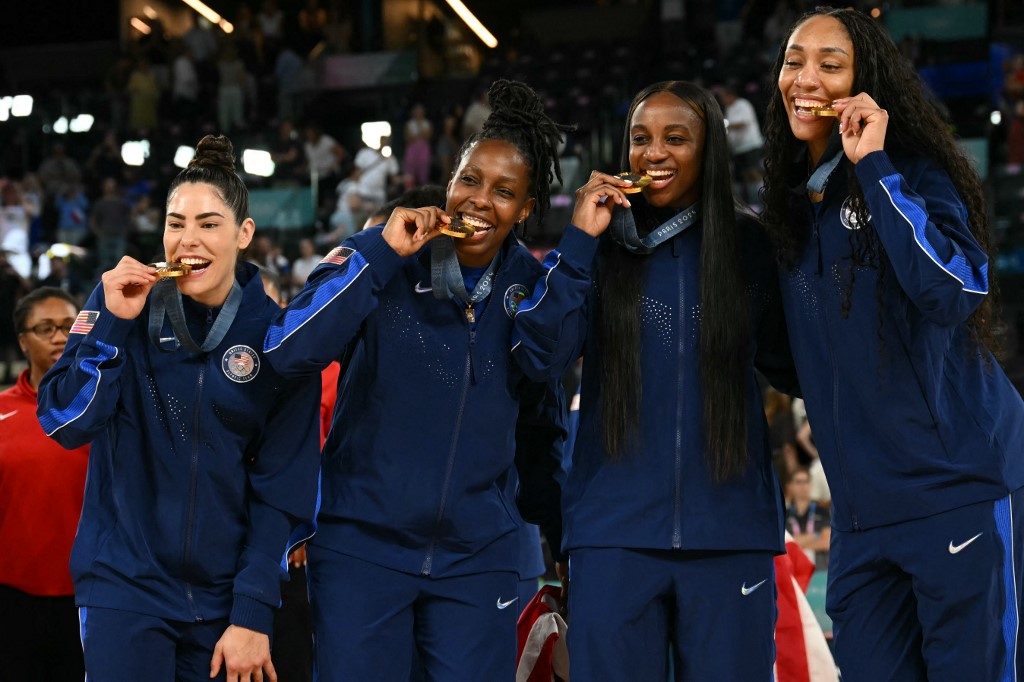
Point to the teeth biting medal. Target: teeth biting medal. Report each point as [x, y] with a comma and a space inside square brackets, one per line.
[639, 181]
[171, 269]
[456, 228]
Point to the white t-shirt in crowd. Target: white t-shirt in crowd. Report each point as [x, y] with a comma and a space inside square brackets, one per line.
[747, 137]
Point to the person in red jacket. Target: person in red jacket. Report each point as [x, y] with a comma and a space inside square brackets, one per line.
[41, 489]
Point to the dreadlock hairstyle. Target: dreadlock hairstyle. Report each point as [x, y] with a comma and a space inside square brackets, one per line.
[518, 117]
[882, 72]
[214, 164]
[724, 325]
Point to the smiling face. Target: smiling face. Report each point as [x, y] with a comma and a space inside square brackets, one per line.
[818, 68]
[490, 191]
[201, 231]
[666, 141]
[42, 351]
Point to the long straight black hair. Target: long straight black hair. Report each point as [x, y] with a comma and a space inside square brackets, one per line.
[723, 319]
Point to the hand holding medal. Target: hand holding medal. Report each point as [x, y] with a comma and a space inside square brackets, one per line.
[126, 287]
[596, 199]
[408, 229]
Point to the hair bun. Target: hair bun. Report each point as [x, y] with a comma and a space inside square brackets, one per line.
[505, 95]
[215, 151]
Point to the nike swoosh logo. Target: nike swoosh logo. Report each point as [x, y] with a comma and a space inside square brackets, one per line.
[9, 414]
[420, 289]
[505, 604]
[747, 590]
[955, 549]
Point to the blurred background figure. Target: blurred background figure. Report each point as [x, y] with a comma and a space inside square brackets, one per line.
[418, 132]
[745, 142]
[41, 491]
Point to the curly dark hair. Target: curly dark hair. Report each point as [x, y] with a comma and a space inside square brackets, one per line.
[724, 332]
[214, 164]
[518, 117]
[885, 74]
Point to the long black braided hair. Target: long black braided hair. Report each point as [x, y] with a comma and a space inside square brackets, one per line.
[518, 117]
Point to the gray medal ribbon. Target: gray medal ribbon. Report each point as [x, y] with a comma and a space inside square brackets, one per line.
[819, 178]
[167, 302]
[446, 276]
[623, 229]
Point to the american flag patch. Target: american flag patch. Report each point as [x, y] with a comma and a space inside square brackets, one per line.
[85, 321]
[338, 255]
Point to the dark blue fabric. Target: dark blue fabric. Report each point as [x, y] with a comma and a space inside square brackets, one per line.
[934, 598]
[910, 420]
[417, 477]
[200, 471]
[716, 609]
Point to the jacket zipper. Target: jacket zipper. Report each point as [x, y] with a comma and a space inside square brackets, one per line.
[835, 384]
[677, 529]
[193, 488]
[428, 561]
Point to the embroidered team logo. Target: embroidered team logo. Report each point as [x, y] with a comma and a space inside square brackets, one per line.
[85, 321]
[848, 214]
[240, 364]
[513, 297]
[338, 255]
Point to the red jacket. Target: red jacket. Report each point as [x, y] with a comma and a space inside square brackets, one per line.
[41, 490]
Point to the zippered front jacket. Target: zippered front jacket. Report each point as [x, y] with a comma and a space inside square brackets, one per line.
[203, 468]
[909, 418]
[659, 494]
[418, 464]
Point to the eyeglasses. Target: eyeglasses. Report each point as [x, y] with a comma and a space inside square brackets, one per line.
[46, 330]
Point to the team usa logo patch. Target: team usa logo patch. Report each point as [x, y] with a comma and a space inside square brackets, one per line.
[848, 214]
[240, 364]
[513, 297]
[85, 321]
[338, 255]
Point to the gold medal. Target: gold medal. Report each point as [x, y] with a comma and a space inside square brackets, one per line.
[456, 228]
[171, 269]
[824, 111]
[639, 182]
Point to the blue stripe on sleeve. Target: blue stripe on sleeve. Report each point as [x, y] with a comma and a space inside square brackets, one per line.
[973, 280]
[54, 420]
[325, 292]
[1004, 526]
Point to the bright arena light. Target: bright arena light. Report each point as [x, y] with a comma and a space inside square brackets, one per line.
[21, 105]
[996, 117]
[135, 152]
[257, 162]
[373, 131]
[473, 23]
[60, 126]
[183, 155]
[82, 123]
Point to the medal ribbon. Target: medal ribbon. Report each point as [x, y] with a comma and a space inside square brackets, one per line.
[623, 229]
[446, 276]
[167, 302]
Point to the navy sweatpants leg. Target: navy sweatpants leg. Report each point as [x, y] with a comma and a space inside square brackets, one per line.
[625, 606]
[121, 645]
[367, 619]
[935, 598]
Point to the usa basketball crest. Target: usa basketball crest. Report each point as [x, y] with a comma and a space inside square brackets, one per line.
[240, 364]
[848, 214]
[513, 297]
